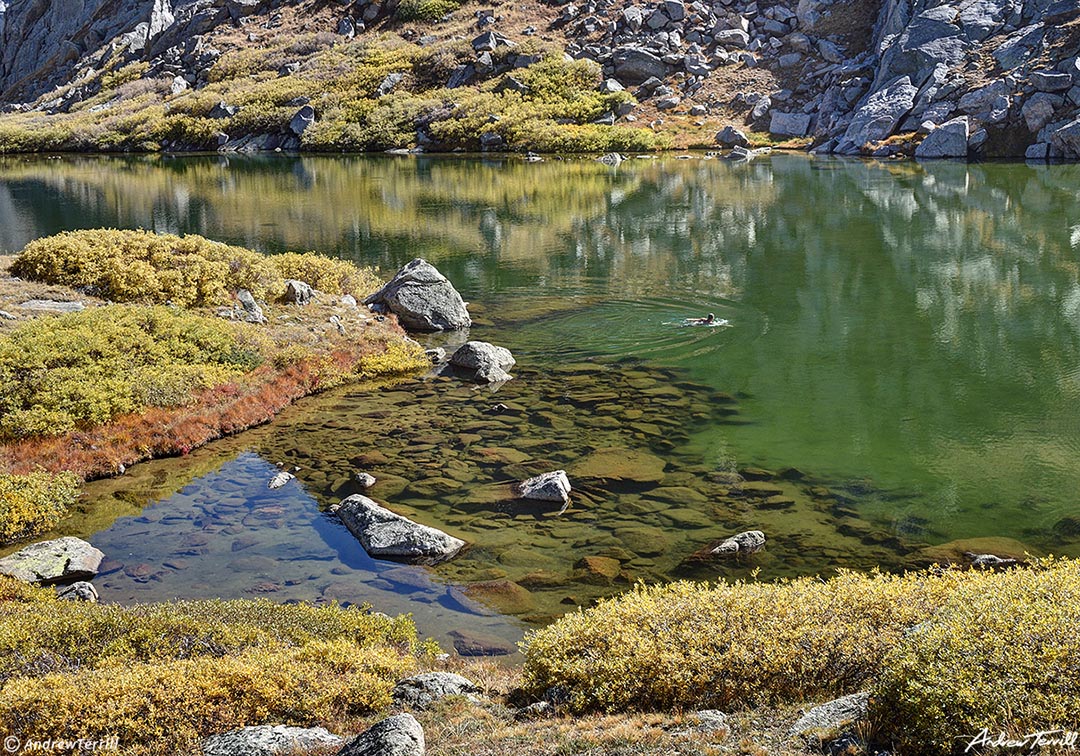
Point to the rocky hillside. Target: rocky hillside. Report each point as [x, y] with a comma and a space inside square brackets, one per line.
[960, 78]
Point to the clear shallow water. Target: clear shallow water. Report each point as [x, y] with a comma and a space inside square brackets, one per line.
[907, 335]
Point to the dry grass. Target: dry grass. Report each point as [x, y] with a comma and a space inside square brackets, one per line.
[456, 727]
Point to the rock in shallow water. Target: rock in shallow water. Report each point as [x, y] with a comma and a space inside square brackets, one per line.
[549, 486]
[59, 561]
[386, 534]
[279, 480]
[423, 299]
[267, 740]
[488, 362]
[741, 544]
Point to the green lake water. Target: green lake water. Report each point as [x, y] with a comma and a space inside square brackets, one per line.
[901, 369]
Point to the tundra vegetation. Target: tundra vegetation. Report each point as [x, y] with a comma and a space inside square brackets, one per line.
[551, 108]
[943, 655]
[157, 370]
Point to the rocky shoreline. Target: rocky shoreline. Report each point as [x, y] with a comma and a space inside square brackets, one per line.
[900, 78]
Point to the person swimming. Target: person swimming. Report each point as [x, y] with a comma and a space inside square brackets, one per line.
[701, 321]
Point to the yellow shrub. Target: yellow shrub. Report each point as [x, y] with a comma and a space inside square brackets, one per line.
[126, 266]
[168, 707]
[397, 359]
[31, 504]
[86, 368]
[327, 274]
[162, 676]
[1001, 653]
[729, 645]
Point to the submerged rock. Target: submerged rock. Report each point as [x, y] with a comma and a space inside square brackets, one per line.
[741, 544]
[473, 643]
[399, 735]
[620, 466]
[62, 560]
[386, 534]
[549, 486]
[270, 740]
[487, 362]
[420, 691]
[423, 299]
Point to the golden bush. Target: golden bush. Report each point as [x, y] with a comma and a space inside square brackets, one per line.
[725, 645]
[34, 503]
[1000, 653]
[126, 266]
[86, 368]
[160, 677]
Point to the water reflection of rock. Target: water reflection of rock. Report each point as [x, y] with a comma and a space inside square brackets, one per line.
[226, 535]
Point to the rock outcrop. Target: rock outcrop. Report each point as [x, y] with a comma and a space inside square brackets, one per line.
[423, 299]
[845, 75]
[385, 534]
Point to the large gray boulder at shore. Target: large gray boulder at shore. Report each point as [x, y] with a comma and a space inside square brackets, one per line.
[422, 299]
[388, 535]
[270, 740]
[399, 735]
[63, 560]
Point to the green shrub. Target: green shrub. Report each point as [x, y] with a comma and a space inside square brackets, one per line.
[160, 677]
[394, 359]
[1001, 653]
[692, 645]
[126, 266]
[31, 504]
[86, 368]
[426, 10]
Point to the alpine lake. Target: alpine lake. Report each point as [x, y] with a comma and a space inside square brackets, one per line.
[897, 381]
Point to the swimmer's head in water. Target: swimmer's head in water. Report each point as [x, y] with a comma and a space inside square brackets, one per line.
[711, 318]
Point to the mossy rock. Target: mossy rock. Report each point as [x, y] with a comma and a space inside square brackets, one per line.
[643, 540]
[953, 552]
[505, 596]
[597, 570]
